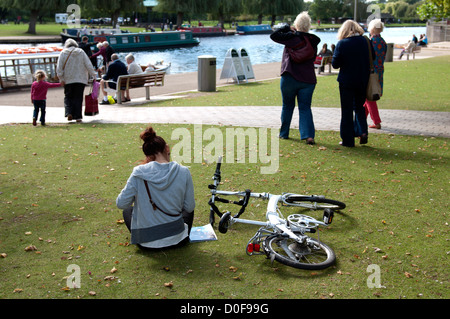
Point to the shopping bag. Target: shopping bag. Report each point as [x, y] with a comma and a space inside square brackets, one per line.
[91, 105]
[374, 87]
[95, 89]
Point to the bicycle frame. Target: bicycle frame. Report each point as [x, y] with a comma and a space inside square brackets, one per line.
[274, 221]
[286, 234]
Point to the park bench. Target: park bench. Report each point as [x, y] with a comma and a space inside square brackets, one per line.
[414, 50]
[322, 62]
[133, 81]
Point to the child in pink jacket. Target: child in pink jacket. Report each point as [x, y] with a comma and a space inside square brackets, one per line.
[39, 90]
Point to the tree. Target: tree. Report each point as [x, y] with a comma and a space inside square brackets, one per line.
[327, 9]
[439, 9]
[225, 8]
[180, 7]
[272, 8]
[36, 7]
[113, 8]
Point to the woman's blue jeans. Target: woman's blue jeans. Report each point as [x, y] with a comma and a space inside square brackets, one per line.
[292, 89]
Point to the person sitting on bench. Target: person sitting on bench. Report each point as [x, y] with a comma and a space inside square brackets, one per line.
[115, 69]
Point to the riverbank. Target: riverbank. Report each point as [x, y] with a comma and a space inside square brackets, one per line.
[16, 106]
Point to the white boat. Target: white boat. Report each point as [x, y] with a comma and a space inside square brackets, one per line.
[157, 67]
[16, 70]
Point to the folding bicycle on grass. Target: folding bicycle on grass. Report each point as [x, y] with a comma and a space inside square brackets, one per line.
[280, 239]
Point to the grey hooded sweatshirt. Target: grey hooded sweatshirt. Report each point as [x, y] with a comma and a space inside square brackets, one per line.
[172, 190]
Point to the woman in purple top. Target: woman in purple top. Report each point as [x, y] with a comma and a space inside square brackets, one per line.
[298, 80]
[380, 47]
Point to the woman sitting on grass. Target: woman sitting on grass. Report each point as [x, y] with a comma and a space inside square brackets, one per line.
[163, 196]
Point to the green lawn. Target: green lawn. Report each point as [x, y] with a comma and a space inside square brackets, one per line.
[58, 186]
[47, 29]
[408, 85]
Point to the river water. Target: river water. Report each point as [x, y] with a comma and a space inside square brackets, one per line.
[260, 48]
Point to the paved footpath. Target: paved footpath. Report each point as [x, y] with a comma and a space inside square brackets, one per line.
[15, 107]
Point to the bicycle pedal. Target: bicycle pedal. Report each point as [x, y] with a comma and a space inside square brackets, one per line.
[328, 215]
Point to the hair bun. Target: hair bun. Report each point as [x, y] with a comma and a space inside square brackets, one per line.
[148, 135]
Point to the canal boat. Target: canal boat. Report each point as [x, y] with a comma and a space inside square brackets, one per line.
[202, 31]
[77, 33]
[16, 70]
[253, 29]
[143, 41]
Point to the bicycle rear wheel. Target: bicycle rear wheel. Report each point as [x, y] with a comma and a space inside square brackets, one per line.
[314, 202]
[314, 255]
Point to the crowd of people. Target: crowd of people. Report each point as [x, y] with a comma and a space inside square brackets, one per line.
[351, 57]
[76, 66]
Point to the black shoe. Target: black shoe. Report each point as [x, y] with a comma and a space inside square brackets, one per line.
[104, 102]
[363, 139]
[34, 121]
[310, 141]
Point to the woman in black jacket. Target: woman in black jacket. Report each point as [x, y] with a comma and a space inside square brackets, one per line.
[298, 80]
[351, 56]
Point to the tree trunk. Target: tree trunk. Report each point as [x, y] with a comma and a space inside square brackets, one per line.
[33, 19]
[260, 16]
[222, 21]
[274, 19]
[179, 19]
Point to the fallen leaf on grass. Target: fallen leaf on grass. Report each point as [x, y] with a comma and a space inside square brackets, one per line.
[114, 270]
[168, 284]
[92, 293]
[30, 248]
[109, 278]
[408, 275]
[18, 290]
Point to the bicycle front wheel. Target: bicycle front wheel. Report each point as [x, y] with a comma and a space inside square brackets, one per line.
[313, 255]
[314, 202]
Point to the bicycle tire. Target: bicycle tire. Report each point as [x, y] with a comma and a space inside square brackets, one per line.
[305, 257]
[224, 222]
[321, 202]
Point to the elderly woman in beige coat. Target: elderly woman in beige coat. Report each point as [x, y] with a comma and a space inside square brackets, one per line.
[73, 70]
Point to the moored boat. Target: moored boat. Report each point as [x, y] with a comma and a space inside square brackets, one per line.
[16, 70]
[253, 29]
[202, 31]
[159, 66]
[78, 33]
[147, 40]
